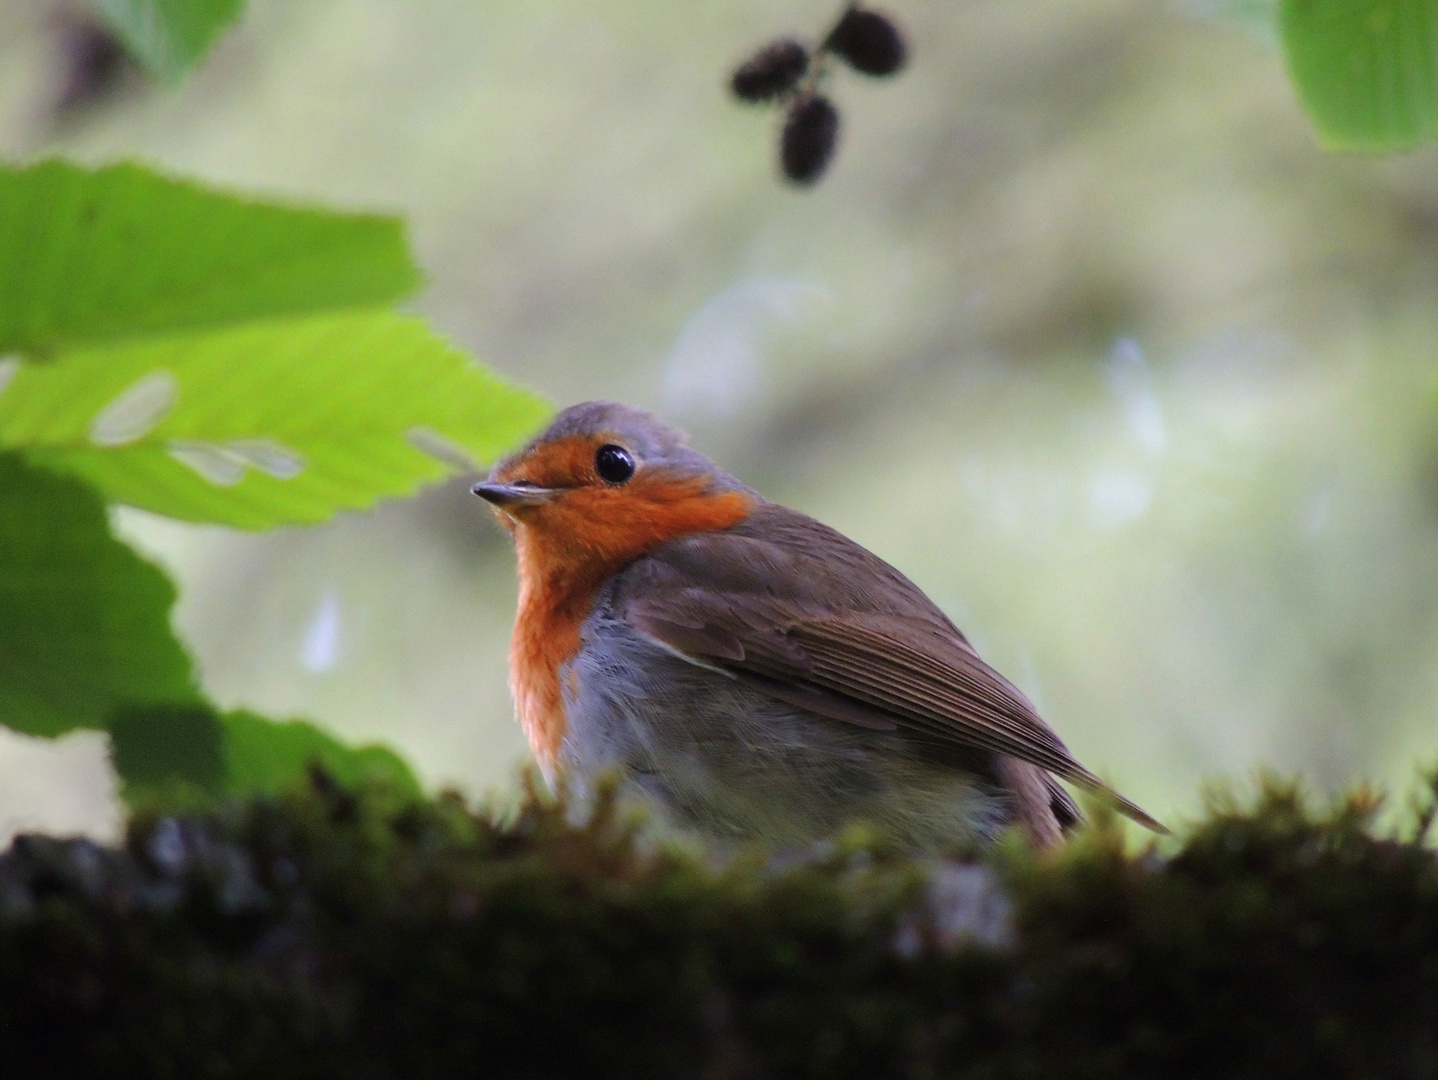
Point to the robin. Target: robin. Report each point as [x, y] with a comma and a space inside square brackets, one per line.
[755, 674]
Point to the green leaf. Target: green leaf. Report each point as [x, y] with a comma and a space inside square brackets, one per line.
[84, 621]
[1366, 70]
[160, 745]
[91, 256]
[268, 423]
[266, 757]
[180, 757]
[168, 36]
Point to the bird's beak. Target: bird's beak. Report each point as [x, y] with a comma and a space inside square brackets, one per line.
[520, 493]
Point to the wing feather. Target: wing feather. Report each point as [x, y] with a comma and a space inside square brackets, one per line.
[876, 658]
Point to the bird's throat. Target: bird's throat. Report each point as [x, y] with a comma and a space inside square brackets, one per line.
[566, 553]
[552, 609]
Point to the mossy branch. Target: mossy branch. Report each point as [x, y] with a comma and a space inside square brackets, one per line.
[339, 934]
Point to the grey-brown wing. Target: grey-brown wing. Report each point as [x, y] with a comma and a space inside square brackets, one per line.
[856, 664]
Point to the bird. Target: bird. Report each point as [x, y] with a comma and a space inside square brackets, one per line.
[751, 674]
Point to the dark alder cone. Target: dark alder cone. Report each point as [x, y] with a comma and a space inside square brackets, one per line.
[810, 130]
[869, 41]
[771, 72]
[94, 65]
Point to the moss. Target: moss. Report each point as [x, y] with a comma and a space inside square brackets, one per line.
[338, 934]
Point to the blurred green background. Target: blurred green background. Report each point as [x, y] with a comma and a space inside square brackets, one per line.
[1082, 331]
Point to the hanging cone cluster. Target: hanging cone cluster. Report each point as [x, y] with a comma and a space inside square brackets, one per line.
[788, 73]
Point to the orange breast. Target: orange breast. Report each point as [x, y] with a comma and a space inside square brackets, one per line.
[546, 637]
[567, 550]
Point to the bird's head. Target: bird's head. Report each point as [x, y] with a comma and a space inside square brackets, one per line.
[606, 482]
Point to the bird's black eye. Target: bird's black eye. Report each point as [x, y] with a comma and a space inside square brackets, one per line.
[614, 464]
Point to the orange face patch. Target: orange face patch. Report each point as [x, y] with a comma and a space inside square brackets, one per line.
[570, 546]
[563, 463]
